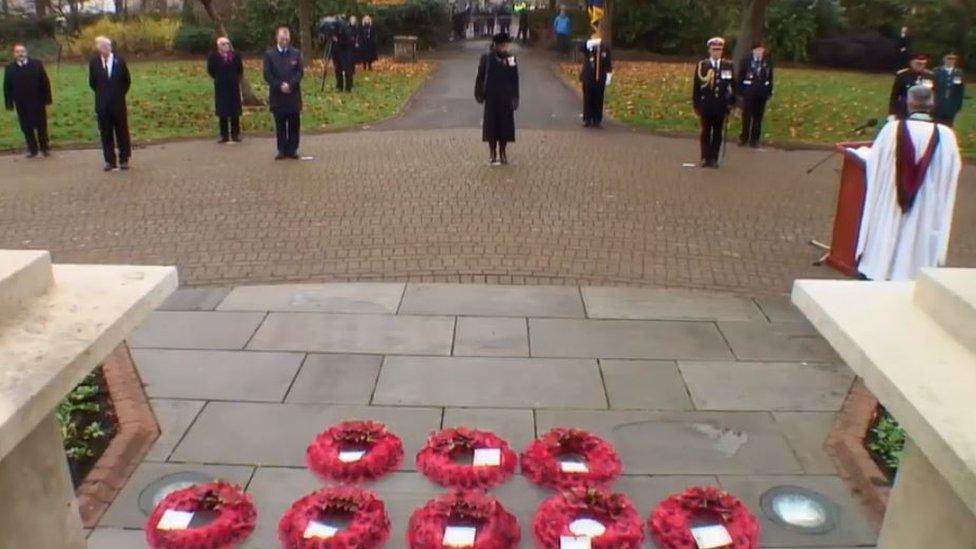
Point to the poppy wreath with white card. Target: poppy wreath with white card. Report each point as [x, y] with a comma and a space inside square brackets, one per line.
[588, 517]
[354, 451]
[341, 517]
[466, 458]
[704, 516]
[463, 519]
[563, 458]
[229, 517]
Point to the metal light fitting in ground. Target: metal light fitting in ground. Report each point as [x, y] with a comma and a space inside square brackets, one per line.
[800, 509]
[156, 490]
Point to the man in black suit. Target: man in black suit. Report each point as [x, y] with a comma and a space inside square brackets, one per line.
[343, 55]
[26, 87]
[283, 72]
[755, 87]
[713, 95]
[108, 77]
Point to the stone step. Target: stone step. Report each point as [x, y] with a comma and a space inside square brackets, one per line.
[949, 297]
[24, 275]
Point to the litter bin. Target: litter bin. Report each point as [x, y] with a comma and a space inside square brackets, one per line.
[405, 48]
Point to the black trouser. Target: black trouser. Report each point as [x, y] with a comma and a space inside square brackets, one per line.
[287, 128]
[523, 33]
[230, 127]
[35, 131]
[753, 109]
[593, 102]
[344, 70]
[562, 43]
[113, 126]
[711, 135]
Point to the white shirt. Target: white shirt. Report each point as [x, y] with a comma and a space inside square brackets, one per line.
[22, 62]
[107, 63]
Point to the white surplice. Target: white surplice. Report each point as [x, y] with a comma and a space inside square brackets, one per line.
[893, 245]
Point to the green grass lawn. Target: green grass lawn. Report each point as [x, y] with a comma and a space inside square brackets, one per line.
[175, 99]
[809, 105]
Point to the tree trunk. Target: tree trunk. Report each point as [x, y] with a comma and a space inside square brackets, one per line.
[247, 93]
[305, 26]
[606, 26]
[751, 30]
[41, 7]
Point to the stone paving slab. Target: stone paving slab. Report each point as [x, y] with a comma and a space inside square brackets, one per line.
[517, 427]
[217, 375]
[779, 341]
[666, 304]
[498, 382]
[685, 443]
[852, 527]
[482, 300]
[174, 418]
[645, 385]
[626, 339]
[779, 308]
[124, 511]
[336, 379]
[807, 433]
[275, 489]
[346, 333]
[372, 298]
[278, 434]
[491, 336]
[195, 330]
[194, 299]
[116, 538]
[788, 386]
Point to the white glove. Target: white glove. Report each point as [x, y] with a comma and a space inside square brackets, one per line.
[609, 77]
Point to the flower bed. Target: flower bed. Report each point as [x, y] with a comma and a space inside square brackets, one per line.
[444, 459]
[354, 451]
[624, 528]
[496, 528]
[542, 461]
[88, 423]
[368, 526]
[672, 520]
[233, 512]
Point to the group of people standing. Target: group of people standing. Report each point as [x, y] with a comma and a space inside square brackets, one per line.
[487, 20]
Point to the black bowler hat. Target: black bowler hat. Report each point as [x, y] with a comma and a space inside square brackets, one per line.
[501, 38]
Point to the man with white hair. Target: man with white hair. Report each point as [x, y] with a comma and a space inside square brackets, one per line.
[912, 172]
[108, 77]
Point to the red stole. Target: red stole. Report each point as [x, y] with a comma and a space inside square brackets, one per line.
[909, 174]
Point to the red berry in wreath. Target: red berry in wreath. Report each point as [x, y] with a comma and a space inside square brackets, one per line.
[672, 521]
[343, 517]
[609, 520]
[467, 459]
[564, 458]
[226, 517]
[354, 451]
[476, 516]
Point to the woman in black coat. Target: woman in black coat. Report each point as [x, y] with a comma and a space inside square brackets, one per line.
[226, 68]
[497, 86]
[367, 43]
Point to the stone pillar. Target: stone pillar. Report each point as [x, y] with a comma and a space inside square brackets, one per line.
[923, 510]
[39, 507]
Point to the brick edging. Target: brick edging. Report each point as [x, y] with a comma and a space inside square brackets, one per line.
[137, 429]
[845, 445]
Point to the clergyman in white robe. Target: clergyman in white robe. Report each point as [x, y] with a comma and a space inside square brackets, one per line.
[895, 244]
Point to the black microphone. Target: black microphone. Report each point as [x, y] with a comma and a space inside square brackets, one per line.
[869, 124]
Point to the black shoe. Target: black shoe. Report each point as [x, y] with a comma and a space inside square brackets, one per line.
[124, 166]
[222, 140]
[235, 139]
[503, 158]
[45, 153]
[108, 167]
[31, 155]
[587, 124]
[706, 164]
[598, 125]
[293, 156]
[279, 156]
[754, 145]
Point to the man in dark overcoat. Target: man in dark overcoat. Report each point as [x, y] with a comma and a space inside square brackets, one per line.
[27, 88]
[283, 71]
[226, 68]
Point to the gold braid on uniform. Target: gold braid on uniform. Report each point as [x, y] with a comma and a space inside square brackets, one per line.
[708, 79]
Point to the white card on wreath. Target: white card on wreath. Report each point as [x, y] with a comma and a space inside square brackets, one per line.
[459, 536]
[487, 457]
[711, 537]
[174, 520]
[316, 529]
[349, 456]
[574, 542]
[573, 467]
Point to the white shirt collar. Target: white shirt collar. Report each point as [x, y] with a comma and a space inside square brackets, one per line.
[280, 49]
[22, 62]
[593, 42]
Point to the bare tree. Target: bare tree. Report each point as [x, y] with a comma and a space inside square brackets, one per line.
[247, 93]
[751, 30]
[305, 26]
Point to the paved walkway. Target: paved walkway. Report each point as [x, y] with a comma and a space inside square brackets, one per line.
[691, 388]
[398, 203]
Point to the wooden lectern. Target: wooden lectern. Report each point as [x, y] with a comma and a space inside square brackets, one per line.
[842, 255]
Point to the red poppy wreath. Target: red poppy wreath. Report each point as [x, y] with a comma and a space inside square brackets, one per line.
[563, 458]
[672, 520]
[354, 451]
[609, 520]
[309, 523]
[495, 528]
[467, 459]
[231, 510]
